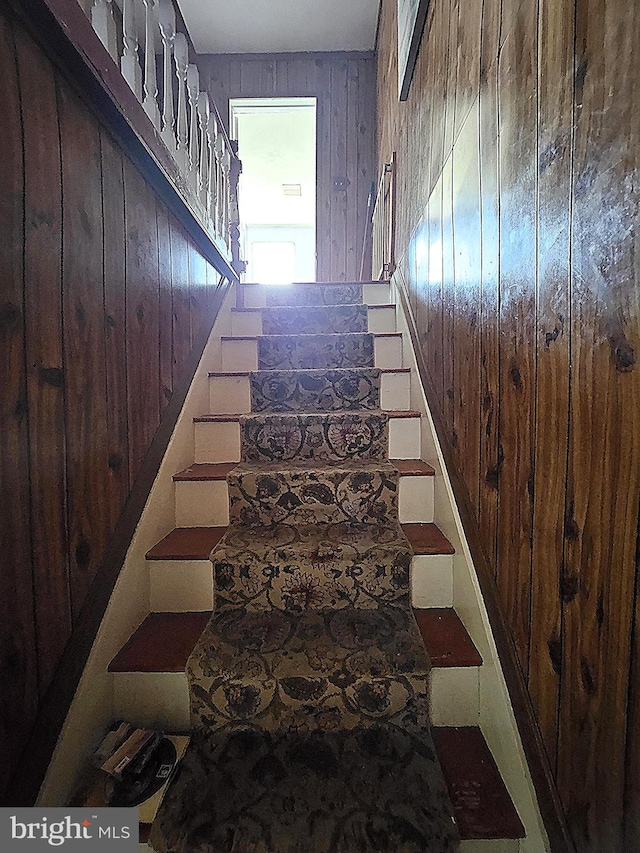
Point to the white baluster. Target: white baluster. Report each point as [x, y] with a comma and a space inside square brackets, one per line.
[167, 23]
[212, 132]
[129, 65]
[219, 219]
[104, 25]
[226, 166]
[193, 89]
[150, 100]
[181, 57]
[203, 124]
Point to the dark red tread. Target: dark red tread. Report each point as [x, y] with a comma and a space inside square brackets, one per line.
[187, 543]
[402, 413]
[427, 539]
[481, 802]
[162, 643]
[412, 467]
[446, 639]
[206, 471]
[216, 419]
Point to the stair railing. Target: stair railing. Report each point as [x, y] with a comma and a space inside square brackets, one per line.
[143, 41]
[384, 223]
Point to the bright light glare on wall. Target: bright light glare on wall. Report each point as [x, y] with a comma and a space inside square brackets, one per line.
[272, 263]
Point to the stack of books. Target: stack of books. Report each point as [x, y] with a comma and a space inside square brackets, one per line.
[132, 767]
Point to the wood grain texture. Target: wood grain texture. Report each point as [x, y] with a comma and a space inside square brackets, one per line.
[344, 85]
[44, 357]
[86, 313]
[18, 657]
[541, 126]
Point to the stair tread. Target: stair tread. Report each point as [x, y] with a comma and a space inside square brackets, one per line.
[481, 802]
[428, 539]
[313, 465]
[187, 543]
[446, 639]
[315, 283]
[413, 467]
[317, 370]
[161, 643]
[312, 335]
[212, 417]
[205, 471]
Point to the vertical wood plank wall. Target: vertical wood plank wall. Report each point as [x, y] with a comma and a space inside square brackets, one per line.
[344, 85]
[101, 297]
[519, 190]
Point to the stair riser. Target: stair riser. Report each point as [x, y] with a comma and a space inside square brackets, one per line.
[177, 586]
[304, 497]
[206, 503]
[187, 585]
[348, 435]
[240, 355]
[376, 293]
[155, 699]
[220, 442]
[162, 699]
[380, 320]
[232, 395]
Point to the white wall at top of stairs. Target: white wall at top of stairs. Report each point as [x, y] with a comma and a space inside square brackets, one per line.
[92, 706]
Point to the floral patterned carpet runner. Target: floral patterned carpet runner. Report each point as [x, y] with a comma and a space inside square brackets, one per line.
[309, 687]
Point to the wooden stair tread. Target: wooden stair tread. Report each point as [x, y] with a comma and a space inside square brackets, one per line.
[446, 639]
[481, 802]
[426, 538]
[413, 467]
[314, 283]
[187, 543]
[206, 471]
[162, 643]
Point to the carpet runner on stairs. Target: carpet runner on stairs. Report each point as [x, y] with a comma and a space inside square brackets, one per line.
[309, 687]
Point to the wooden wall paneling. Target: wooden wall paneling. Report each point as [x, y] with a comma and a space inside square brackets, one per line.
[364, 136]
[45, 376]
[18, 656]
[338, 188]
[468, 70]
[439, 41]
[434, 344]
[448, 300]
[84, 343]
[180, 296]
[518, 137]
[198, 292]
[353, 236]
[165, 306]
[604, 438]
[143, 311]
[467, 268]
[490, 272]
[450, 72]
[555, 144]
[115, 325]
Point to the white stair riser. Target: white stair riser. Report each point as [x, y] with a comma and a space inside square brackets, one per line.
[489, 845]
[202, 503]
[220, 441]
[178, 586]
[381, 320]
[217, 442]
[229, 395]
[154, 699]
[455, 696]
[376, 293]
[432, 580]
[205, 503]
[415, 500]
[241, 354]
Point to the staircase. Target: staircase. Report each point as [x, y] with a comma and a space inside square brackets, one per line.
[309, 496]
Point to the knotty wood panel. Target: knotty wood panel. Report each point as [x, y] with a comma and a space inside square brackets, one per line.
[18, 657]
[344, 85]
[43, 341]
[544, 130]
[88, 301]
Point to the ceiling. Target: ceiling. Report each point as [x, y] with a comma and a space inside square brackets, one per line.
[280, 26]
